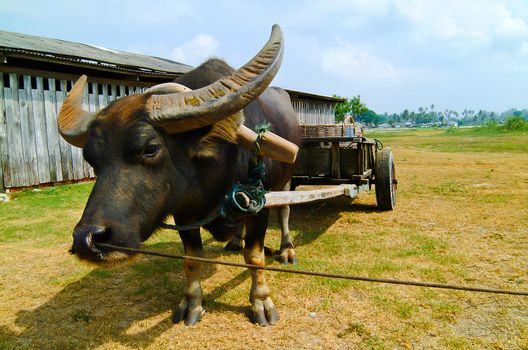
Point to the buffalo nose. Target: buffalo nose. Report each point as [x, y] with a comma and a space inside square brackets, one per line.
[85, 238]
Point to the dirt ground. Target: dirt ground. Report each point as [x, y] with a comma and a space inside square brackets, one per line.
[461, 218]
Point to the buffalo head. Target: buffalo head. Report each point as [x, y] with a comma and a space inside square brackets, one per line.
[169, 150]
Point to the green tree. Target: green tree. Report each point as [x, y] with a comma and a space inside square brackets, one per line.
[515, 122]
[370, 117]
[352, 106]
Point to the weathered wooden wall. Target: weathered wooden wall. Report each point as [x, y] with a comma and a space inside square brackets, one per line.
[314, 112]
[31, 149]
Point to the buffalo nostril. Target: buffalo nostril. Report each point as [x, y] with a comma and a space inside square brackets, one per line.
[97, 235]
[85, 240]
[100, 234]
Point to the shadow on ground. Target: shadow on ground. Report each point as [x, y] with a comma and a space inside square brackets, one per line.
[129, 305]
[312, 220]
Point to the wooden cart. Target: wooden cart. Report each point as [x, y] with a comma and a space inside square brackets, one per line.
[337, 154]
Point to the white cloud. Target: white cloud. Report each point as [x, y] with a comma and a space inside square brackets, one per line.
[510, 26]
[357, 64]
[523, 51]
[514, 61]
[475, 20]
[196, 50]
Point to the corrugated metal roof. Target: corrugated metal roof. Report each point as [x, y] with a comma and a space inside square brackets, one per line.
[72, 52]
[310, 96]
[87, 54]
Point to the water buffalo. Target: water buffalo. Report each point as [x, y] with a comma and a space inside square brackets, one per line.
[176, 150]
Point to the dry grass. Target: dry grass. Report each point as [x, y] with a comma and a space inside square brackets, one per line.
[461, 218]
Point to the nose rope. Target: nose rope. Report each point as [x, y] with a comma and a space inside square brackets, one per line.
[242, 198]
[249, 198]
[318, 274]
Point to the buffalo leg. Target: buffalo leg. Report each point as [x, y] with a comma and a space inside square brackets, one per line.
[235, 244]
[286, 252]
[190, 307]
[263, 311]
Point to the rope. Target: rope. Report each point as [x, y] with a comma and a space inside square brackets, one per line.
[230, 209]
[253, 190]
[319, 274]
[379, 144]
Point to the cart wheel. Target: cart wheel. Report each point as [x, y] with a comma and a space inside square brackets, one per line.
[386, 183]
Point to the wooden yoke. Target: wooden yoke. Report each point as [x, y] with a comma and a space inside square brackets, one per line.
[272, 145]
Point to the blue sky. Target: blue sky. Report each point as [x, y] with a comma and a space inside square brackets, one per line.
[396, 54]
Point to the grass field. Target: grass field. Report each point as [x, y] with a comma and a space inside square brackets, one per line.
[461, 218]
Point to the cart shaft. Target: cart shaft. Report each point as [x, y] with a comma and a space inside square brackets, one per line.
[282, 198]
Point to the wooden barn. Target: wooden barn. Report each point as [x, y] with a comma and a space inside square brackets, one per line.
[35, 75]
[314, 109]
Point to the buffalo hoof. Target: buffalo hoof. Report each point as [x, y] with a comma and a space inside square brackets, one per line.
[287, 255]
[189, 311]
[263, 312]
[233, 245]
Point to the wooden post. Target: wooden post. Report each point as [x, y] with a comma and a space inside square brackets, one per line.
[114, 92]
[29, 131]
[336, 161]
[17, 174]
[3, 136]
[65, 147]
[87, 170]
[50, 104]
[41, 138]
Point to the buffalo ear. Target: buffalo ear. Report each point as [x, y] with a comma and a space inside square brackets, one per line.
[220, 132]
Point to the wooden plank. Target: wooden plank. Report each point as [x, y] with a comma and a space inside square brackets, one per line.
[52, 131]
[86, 106]
[282, 198]
[41, 137]
[336, 166]
[4, 160]
[93, 106]
[94, 98]
[306, 140]
[103, 98]
[28, 132]
[77, 161]
[272, 146]
[14, 134]
[65, 149]
[92, 173]
[114, 92]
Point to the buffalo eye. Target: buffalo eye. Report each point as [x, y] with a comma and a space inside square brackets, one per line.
[151, 150]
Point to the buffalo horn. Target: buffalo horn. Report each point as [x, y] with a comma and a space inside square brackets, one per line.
[272, 145]
[184, 111]
[73, 120]
[167, 88]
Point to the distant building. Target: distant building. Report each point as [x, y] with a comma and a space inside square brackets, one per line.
[314, 109]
